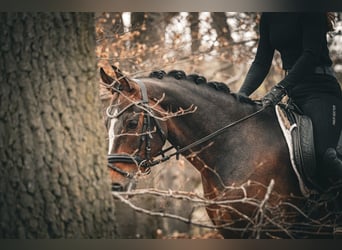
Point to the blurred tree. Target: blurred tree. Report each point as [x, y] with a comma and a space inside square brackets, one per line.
[137, 20]
[145, 23]
[219, 23]
[53, 178]
[193, 19]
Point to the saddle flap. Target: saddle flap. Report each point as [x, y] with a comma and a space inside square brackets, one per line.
[303, 143]
[298, 132]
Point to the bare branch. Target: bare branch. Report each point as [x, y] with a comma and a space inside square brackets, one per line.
[270, 219]
[260, 215]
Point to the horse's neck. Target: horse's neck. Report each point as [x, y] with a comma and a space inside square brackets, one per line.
[232, 157]
[212, 113]
[214, 110]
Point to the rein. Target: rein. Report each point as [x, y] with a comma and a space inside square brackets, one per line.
[215, 133]
[147, 163]
[200, 141]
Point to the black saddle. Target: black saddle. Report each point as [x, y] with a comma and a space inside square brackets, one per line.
[298, 132]
[301, 145]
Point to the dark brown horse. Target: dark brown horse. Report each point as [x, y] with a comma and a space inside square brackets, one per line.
[237, 147]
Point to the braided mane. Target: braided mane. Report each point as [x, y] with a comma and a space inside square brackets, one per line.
[195, 78]
[200, 80]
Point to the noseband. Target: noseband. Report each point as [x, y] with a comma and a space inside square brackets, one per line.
[145, 137]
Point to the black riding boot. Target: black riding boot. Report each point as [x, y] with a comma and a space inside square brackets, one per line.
[332, 167]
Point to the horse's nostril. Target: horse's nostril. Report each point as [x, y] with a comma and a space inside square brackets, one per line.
[117, 187]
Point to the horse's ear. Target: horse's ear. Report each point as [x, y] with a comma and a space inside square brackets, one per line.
[122, 79]
[107, 79]
[120, 82]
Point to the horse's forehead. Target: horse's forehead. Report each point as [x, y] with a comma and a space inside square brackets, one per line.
[125, 97]
[121, 107]
[118, 102]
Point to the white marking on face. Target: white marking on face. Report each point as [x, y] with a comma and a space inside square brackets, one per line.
[111, 132]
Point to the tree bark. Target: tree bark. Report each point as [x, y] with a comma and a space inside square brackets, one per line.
[53, 179]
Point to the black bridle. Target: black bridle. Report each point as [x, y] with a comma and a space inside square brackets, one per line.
[145, 137]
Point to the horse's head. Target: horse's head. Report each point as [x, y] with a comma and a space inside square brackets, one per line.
[136, 131]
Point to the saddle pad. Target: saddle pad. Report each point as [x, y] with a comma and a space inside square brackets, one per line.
[298, 133]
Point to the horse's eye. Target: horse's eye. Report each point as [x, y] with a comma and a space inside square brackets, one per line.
[132, 124]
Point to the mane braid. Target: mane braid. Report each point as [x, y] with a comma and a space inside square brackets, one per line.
[194, 78]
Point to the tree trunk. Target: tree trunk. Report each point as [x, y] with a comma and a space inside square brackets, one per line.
[53, 179]
[193, 19]
[151, 26]
[137, 19]
[222, 29]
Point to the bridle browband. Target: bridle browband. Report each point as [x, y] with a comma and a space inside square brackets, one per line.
[146, 130]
